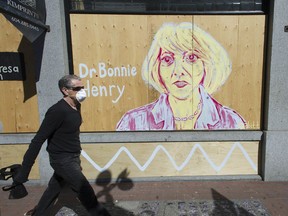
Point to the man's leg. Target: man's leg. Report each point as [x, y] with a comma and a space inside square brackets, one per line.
[49, 196]
[70, 171]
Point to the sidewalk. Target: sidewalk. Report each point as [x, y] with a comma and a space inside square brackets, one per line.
[168, 198]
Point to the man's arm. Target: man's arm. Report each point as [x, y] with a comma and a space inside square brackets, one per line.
[51, 122]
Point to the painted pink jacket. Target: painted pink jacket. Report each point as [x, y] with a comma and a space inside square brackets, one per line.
[159, 116]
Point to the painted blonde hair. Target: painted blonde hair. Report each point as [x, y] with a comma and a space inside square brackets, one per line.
[188, 37]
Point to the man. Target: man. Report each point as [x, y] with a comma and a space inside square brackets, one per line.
[61, 127]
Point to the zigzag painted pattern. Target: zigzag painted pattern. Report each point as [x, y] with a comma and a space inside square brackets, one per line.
[178, 168]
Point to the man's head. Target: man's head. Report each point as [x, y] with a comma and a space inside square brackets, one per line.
[72, 86]
[66, 81]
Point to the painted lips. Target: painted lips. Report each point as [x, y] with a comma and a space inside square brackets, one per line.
[180, 84]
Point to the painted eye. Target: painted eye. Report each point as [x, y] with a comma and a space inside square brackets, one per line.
[191, 58]
[167, 60]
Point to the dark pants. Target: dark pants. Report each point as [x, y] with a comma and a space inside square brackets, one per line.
[67, 171]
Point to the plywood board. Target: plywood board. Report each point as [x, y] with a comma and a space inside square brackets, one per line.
[19, 104]
[171, 159]
[13, 154]
[105, 46]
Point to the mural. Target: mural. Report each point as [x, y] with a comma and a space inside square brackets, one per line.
[171, 72]
[186, 66]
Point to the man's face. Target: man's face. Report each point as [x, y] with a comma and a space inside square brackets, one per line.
[180, 72]
[76, 85]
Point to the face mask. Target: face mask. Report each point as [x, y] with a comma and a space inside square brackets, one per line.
[81, 95]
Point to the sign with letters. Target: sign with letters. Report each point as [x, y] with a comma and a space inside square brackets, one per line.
[28, 16]
[12, 66]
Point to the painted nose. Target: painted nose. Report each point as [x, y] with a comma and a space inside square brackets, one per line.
[178, 70]
[180, 74]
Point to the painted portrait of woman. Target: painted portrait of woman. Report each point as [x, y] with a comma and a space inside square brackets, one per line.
[186, 66]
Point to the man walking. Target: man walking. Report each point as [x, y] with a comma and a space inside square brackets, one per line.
[61, 128]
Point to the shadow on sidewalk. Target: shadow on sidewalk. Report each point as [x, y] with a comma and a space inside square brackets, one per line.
[68, 204]
[224, 206]
[122, 182]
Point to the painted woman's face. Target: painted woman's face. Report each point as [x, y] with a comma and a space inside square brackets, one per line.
[180, 72]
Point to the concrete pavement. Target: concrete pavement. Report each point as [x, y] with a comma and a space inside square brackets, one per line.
[168, 198]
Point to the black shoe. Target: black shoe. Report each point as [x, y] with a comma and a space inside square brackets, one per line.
[30, 212]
